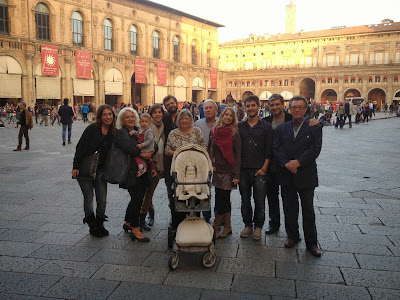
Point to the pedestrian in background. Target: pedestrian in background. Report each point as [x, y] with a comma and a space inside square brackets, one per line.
[85, 111]
[66, 113]
[26, 123]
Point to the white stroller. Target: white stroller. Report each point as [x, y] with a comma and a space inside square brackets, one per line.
[192, 171]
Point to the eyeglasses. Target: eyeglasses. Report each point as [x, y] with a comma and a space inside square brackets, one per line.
[297, 107]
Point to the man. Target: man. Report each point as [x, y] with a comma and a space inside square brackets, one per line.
[26, 123]
[340, 115]
[66, 114]
[239, 111]
[222, 107]
[169, 120]
[85, 111]
[278, 116]
[256, 138]
[44, 111]
[296, 146]
[206, 125]
[348, 111]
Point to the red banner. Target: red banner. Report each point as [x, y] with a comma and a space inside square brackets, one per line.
[161, 73]
[140, 71]
[49, 60]
[213, 79]
[83, 64]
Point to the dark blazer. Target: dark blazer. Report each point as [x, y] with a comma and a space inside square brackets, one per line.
[128, 143]
[305, 148]
[66, 113]
[273, 166]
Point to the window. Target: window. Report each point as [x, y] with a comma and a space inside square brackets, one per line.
[108, 35]
[272, 83]
[4, 17]
[372, 46]
[265, 82]
[323, 81]
[208, 55]
[286, 83]
[133, 38]
[329, 79]
[360, 80]
[292, 82]
[346, 80]
[336, 80]
[156, 44]
[396, 79]
[248, 83]
[176, 49]
[337, 48]
[377, 78]
[384, 79]
[194, 54]
[77, 28]
[230, 83]
[42, 19]
[352, 80]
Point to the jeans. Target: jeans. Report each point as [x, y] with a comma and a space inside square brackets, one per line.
[290, 201]
[345, 117]
[222, 201]
[137, 193]
[23, 131]
[273, 200]
[100, 187]
[64, 129]
[257, 184]
[148, 198]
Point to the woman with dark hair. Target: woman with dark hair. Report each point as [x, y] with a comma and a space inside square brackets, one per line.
[226, 166]
[157, 113]
[128, 121]
[98, 136]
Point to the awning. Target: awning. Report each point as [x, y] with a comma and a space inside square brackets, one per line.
[113, 88]
[83, 87]
[180, 93]
[10, 86]
[159, 93]
[48, 87]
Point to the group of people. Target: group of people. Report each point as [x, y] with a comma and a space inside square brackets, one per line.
[260, 155]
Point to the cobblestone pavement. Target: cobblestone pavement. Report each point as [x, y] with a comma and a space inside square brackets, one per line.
[47, 253]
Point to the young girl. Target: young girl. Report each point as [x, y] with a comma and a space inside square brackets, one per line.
[226, 166]
[145, 136]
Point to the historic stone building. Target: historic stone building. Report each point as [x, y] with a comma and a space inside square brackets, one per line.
[325, 65]
[115, 34]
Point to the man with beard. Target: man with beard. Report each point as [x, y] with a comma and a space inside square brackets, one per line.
[256, 137]
[169, 120]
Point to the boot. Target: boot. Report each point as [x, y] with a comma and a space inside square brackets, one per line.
[217, 225]
[150, 220]
[143, 224]
[100, 227]
[227, 227]
[93, 225]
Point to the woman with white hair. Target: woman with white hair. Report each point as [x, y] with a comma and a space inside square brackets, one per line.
[128, 120]
[185, 134]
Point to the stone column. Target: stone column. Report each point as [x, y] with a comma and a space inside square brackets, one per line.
[28, 91]
[340, 95]
[317, 92]
[67, 92]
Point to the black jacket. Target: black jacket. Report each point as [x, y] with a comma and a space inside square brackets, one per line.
[288, 117]
[305, 148]
[93, 140]
[128, 143]
[66, 113]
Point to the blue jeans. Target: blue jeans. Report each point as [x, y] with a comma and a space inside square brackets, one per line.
[256, 184]
[64, 129]
[100, 187]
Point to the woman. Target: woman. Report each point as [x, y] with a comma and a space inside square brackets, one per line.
[128, 120]
[185, 134]
[96, 137]
[226, 165]
[157, 114]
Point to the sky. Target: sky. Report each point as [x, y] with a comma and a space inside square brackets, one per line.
[241, 18]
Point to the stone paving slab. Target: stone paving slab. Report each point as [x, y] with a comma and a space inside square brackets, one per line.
[20, 264]
[384, 294]
[371, 278]
[264, 285]
[69, 268]
[64, 252]
[81, 288]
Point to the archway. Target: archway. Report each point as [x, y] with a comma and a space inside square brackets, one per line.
[396, 97]
[377, 96]
[10, 80]
[197, 89]
[48, 88]
[329, 95]
[136, 91]
[351, 93]
[307, 88]
[286, 95]
[180, 86]
[246, 94]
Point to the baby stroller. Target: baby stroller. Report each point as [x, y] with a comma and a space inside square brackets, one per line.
[192, 170]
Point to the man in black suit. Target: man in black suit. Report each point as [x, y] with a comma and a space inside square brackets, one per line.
[296, 146]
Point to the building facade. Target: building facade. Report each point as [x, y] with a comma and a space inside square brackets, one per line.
[327, 65]
[117, 34]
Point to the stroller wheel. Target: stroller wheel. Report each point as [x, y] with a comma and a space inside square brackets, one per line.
[171, 237]
[208, 260]
[173, 262]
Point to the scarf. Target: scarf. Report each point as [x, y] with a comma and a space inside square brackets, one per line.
[224, 140]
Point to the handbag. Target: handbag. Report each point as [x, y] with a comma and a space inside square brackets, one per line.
[117, 166]
[88, 166]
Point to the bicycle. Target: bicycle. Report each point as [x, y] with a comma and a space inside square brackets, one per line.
[10, 121]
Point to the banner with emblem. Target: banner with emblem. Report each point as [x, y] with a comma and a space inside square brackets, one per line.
[161, 73]
[49, 60]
